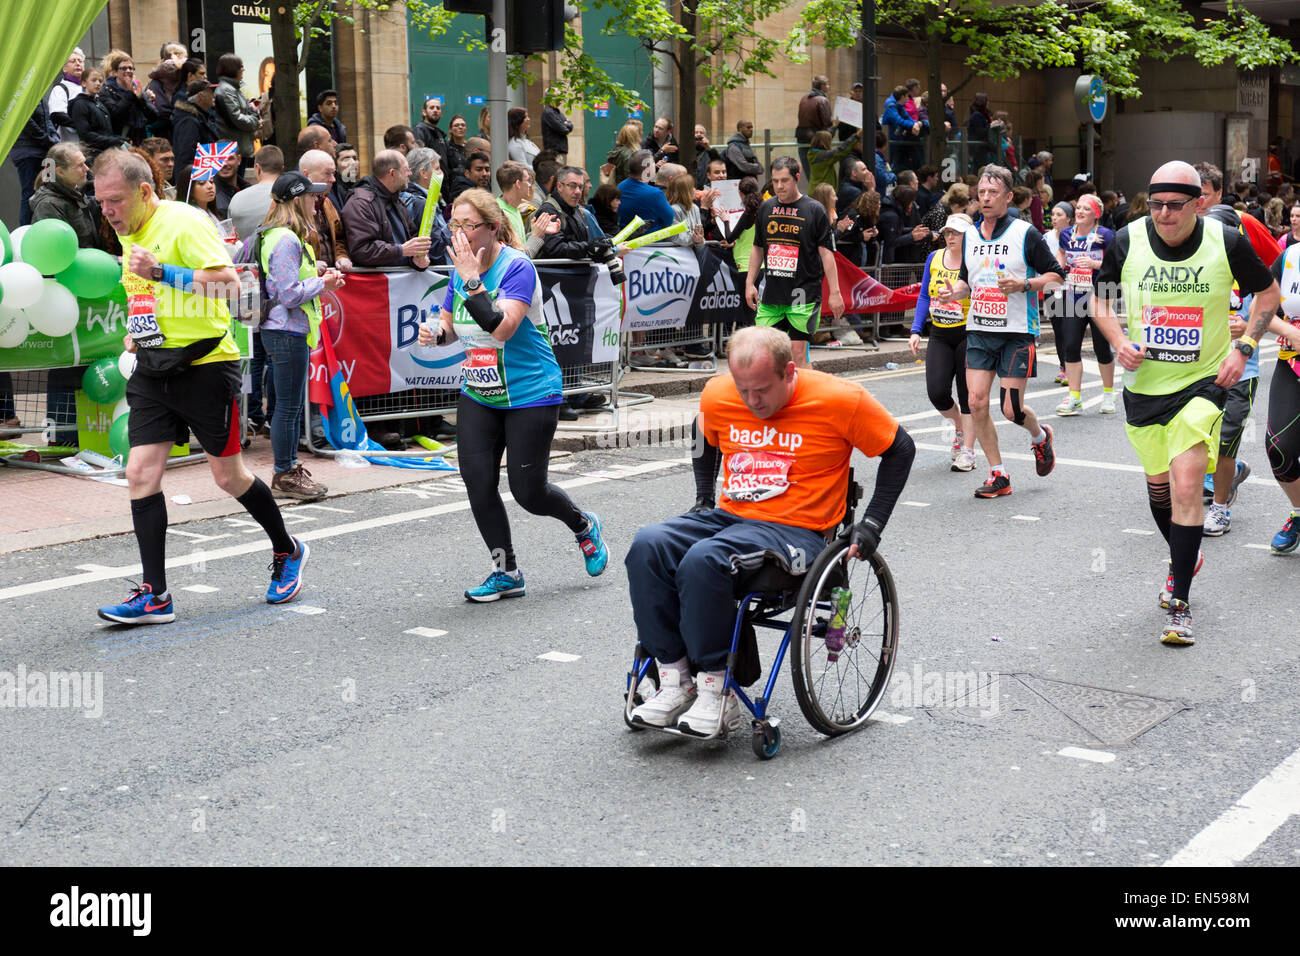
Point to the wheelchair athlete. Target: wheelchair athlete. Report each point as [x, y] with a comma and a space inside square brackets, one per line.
[786, 437]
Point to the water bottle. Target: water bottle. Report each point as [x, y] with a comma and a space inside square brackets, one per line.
[1130, 375]
[840, 598]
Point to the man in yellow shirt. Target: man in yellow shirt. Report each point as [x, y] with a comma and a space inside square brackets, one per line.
[178, 274]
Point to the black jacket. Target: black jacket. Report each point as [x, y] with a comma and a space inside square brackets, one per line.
[37, 135]
[555, 130]
[573, 239]
[436, 140]
[53, 200]
[130, 114]
[896, 233]
[377, 222]
[93, 125]
[654, 146]
[741, 159]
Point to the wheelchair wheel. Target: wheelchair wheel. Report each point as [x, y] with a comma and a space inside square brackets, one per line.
[838, 690]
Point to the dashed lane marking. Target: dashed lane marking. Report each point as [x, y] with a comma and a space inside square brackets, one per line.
[1083, 753]
[559, 657]
[425, 632]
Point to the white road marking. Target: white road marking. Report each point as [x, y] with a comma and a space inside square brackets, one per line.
[1083, 753]
[885, 717]
[196, 536]
[237, 550]
[200, 588]
[1261, 547]
[342, 511]
[1244, 826]
[915, 504]
[92, 567]
[425, 632]
[559, 657]
[305, 609]
[1024, 518]
[1136, 531]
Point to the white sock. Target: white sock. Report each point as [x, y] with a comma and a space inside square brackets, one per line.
[1039, 438]
[999, 470]
[682, 667]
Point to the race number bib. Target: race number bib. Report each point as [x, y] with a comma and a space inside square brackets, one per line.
[1172, 333]
[756, 475]
[988, 307]
[482, 371]
[1080, 277]
[142, 321]
[782, 260]
[949, 314]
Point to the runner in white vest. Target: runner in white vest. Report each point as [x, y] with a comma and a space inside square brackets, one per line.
[1005, 265]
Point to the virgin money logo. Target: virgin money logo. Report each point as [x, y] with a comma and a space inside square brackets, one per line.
[331, 315]
[741, 463]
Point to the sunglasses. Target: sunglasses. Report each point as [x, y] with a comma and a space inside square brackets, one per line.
[1176, 205]
[457, 226]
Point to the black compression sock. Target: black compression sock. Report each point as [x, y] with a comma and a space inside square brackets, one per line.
[1184, 545]
[149, 516]
[1161, 508]
[260, 503]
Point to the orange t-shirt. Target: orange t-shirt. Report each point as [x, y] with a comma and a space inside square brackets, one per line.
[793, 468]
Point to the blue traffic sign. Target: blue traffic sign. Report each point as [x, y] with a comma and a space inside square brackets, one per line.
[1097, 100]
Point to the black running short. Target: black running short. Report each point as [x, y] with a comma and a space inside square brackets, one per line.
[203, 399]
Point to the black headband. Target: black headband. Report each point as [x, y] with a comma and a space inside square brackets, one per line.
[1184, 188]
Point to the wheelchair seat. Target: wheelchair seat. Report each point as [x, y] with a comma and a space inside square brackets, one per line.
[770, 578]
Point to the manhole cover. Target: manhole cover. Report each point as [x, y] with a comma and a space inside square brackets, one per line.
[1052, 708]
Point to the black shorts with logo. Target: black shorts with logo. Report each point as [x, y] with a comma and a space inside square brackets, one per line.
[203, 399]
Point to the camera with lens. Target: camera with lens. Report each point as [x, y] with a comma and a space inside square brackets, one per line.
[602, 250]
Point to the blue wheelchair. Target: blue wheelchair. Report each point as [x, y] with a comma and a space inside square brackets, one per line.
[840, 625]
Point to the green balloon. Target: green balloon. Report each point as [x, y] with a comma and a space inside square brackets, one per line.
[103, 382]
[49, 246]
[92, 275]
[118, 442]
[6, 245]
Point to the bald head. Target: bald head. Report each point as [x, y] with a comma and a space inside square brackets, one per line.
[1177, 172]
[667, 172]
[315, 161]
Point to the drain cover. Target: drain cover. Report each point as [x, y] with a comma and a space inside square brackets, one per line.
[1046, 707]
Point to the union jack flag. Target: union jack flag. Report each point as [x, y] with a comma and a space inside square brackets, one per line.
[209, 158]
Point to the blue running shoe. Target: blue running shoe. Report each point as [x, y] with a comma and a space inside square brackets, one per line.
[141, 608]
[1285, 541]
[286, 574]
[593, 546]
[499, 584]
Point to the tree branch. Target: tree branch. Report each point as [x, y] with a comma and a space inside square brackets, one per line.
[306, 34]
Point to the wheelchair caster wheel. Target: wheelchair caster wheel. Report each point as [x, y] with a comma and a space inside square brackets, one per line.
[766, 742]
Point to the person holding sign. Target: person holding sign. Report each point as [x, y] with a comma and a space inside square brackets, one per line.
[1005, 265]
[794, 246]
[1176, 272]
[510, 392]
[177, 274]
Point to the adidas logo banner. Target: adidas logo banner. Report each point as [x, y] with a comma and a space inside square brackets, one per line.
[720, 295]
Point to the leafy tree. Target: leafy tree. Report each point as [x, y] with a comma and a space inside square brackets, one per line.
[1104, 37]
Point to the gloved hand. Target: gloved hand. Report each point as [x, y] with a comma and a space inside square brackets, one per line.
[701, 504]
[864, 539]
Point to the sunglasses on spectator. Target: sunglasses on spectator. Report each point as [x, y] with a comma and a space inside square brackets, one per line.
[1175, 205]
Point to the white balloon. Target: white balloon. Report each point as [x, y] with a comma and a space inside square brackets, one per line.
[56, 312]
[16, 240]
[22, 285]
[121, 408]
[126, 365]
[13, 328]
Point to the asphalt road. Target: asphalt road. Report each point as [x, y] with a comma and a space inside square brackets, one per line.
[380, 719]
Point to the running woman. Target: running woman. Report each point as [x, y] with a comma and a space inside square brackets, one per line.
[1005, 266]
[945, 356]
[1062, 216]
[1081, 248]
[1283, 436]
[795, 246]
[177, 275]
[510, 392]
[1176, 273]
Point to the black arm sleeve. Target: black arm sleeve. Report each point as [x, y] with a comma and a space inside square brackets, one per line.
[705, 462]
[895, 466]
[484, 311]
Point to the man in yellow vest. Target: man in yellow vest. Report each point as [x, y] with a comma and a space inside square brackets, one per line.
[177, 275]
[1176, 273]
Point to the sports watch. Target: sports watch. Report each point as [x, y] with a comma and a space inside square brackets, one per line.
[1245, 348]
[156, 273]
[473, 285]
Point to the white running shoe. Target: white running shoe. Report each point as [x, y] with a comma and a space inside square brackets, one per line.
[1069, 406]
[1218, 520]
[667, 703]
[1107, 404]
[702, 719]
[964, 460]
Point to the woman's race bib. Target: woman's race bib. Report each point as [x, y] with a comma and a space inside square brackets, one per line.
[482, 371]
[1172, 333]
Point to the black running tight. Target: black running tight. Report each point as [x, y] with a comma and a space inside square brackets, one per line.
[945, 360]
[1074, 321]
[1283, 438]
[483, 434]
